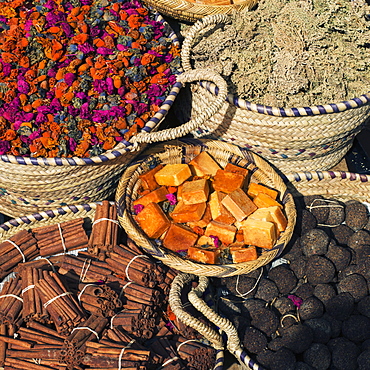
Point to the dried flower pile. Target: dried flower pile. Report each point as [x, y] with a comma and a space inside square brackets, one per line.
[77, 77]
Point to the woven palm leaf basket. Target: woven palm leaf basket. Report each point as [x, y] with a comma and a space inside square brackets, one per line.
[182, 151]
[191, 11]
[292, 139]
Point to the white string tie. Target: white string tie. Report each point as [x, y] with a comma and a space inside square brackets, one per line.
[170, 360]
[19, 249]
[187, 341]
[105, 219]
[83, 289]
[55, 298]
[27, 288]
[122, 352]
[87, 328]
[123, 288]
[132, 260]
[62, 239]
[250, 290]
[11, 295]
[84, 269]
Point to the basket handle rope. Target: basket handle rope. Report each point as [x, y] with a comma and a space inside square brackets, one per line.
[194, 30]
[233, 343]
[180, 131]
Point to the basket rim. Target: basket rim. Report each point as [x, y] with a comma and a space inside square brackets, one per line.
[313, 110]
[124, 211]
[122, 147]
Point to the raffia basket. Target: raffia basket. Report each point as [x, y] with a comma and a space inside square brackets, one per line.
[30, 185]
[182, 151]
[292, 139]
[191, 11]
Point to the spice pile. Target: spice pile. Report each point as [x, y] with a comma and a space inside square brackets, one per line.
[291, 53]
[107, 309]
[77, 78]
[312, 310]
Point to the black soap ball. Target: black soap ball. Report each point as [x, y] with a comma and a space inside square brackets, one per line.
[365, 345]
[318, 356]
[293, 249]
[342, 233]
[297, 338]
[340, 256]
[267, 290]
[319, 270]
[336, 212]
[284, 305]
[304, 291]
[314, 241]
[303, 366]
[265, 320]
[363, 306]
[356, 328]
[265, 358]
[324, 292]
[321, 329]
[354, 284]
[298, 266]
[363, 360]
[318, 206]
[251, 305]
[335, 325]
[311, 308]
[254, 340]
[283, 359]
[358, 238]
[305, 221]
[340, 306]
[361, 253]
[343, 353]
[241, 284]
[356, 215]
[283, 277]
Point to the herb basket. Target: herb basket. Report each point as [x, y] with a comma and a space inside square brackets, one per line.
[292, 139]
[182, 151]
[190, 11]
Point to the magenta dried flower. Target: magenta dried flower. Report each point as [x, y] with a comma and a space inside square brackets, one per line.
[296, 300]
[171, 198]
[138, 208]
[216, 240]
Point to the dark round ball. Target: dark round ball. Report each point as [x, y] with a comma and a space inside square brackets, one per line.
[293, 249]
[342, 233]
[297, 338]
[318, 356]
[358, 238]
[354, 284]
[283, 359]
[365, 345]
[311, 308]
[344, 353]
[314, 241]
[305, 221]
[267, 290]
[265, 358]
[340, 306]
[361, 253]
[304, 291]
[229, 307]
[356, 215]
[363, 360]
[275, 344]
[321, 329]
[241, 284]
[340, 256]
[239, 322]
[303, 366]
[265, 320]
[318, 206]
[298, 266]
[283, 277]
[319, 270]
[356, 328]
[254, 340]
[284, 305]
[251, 305]
[363, 306]
[324, 292]
[336, 213]
[335, 325]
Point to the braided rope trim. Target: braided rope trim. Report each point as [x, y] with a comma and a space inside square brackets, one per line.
[124, 146]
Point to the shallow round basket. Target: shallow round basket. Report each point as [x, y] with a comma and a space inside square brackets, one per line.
[191, 11]
[182, 151]
[340, 185]
[292, 139]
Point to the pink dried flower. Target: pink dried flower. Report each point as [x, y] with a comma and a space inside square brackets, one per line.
[138, 208]
[171, 198]
[296, 300]
[216, 240]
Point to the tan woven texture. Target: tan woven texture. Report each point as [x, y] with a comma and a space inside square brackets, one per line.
[181, 151]
[293, 142]
[191, 11]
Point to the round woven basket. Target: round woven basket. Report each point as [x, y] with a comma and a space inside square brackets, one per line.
[182, 151]
[292, 139]
[190, 11]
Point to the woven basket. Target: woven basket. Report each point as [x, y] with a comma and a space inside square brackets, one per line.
[188, 11]
[292, 139]
[30, 185]
[182, 151]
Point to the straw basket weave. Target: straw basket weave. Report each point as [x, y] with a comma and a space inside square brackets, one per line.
[292, 139]
[190, 11]
[182, 151]
[34, 184]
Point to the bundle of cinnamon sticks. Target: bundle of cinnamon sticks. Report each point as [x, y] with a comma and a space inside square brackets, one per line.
[11, 302]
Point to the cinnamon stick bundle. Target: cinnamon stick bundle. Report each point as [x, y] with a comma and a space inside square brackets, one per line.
[11, 302]
[169, 358]
[62, 237]
[62, 307]
[21, 247]
[105, 230]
